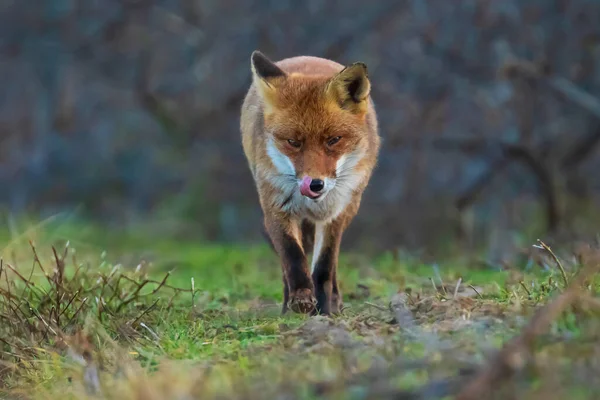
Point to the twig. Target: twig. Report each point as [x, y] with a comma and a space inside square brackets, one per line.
[133, 296]
[558, 263]
[30, 285]
[437, 273]
[69, 303]
[146, 311]
[434, 286]
[37, 259]
[104, 284]
[162, 283]
[525, 287]
[58, 281]
[115, 290]
[64, 257]
[76, 312]
[8, 294]
[38, 316]
[154, 335]
[146, 281]
[60, 265]
[14, 311]
[380, 308]
[32, 269]
[457, 287]
[193, 292]
[172, 299]
[76, 271]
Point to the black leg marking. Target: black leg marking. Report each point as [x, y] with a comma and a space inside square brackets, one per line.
[299, 285]
[323, 278]
[295, 264]
[286, 295]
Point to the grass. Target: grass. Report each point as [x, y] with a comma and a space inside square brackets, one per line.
[87, 314]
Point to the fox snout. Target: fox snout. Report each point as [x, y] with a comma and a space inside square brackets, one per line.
[313, 188]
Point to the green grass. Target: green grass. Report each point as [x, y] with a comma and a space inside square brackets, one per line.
[214, 327]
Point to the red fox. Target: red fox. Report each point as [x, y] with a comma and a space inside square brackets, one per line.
[310, 135]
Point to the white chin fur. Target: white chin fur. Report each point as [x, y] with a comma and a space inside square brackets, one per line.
[337, 193]
[327, 206]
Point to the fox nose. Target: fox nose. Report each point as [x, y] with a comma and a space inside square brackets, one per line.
[316, 185]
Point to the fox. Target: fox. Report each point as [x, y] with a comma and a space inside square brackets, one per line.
[310, 135]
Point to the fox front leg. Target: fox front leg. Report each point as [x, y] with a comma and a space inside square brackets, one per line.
[324, 272]
[336, 295]
[298, 287]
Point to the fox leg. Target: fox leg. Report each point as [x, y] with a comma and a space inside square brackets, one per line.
[298, 287]
[325, 259]
[308, 236]
[286, 294]
[336, 295]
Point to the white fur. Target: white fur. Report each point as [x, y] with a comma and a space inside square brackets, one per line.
[281, 162]
[318, 246]
[337, 193]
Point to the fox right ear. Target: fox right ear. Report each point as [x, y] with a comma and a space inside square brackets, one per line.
[350, 88]
[266, 75]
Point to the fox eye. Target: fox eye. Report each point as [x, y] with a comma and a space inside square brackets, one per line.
[333, 140]
[294, 143]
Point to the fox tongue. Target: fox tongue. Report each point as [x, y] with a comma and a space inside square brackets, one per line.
[305, 188]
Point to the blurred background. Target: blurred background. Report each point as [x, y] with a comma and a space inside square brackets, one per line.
[126, 112]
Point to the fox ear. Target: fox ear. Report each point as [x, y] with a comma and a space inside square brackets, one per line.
[350, 88]
[265, 69]
[266, 75]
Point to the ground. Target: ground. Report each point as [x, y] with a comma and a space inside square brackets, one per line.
[95, 313]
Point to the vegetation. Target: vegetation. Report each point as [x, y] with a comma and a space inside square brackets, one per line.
[87, 315]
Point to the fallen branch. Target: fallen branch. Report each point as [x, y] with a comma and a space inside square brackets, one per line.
[514, 355]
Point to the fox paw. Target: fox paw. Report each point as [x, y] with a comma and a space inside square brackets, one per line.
[302, 301]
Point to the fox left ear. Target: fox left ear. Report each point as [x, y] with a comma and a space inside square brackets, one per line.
[351, 88]
[265, 69]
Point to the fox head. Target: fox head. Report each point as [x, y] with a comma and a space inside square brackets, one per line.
[316, 126]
